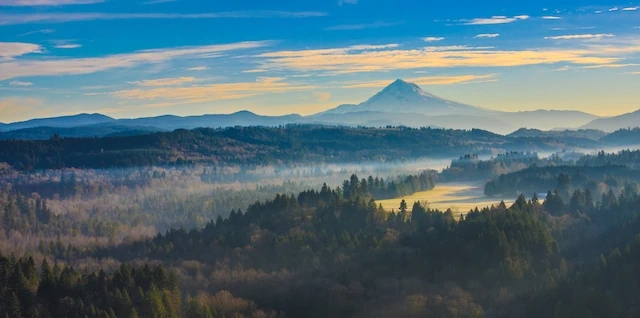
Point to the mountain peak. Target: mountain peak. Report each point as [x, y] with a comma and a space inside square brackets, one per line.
[404, 97]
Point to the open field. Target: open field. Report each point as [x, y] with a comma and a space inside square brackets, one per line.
[459, 197]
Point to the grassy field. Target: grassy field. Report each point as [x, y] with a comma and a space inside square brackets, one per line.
[459, 197]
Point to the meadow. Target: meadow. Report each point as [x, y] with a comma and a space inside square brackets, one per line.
[460, 197]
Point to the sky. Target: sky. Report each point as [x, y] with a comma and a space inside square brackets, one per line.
[140, 58]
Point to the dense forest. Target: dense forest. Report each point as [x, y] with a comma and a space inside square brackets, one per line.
[210, 241]
[264, 145]
[319, 254]
[535, 179]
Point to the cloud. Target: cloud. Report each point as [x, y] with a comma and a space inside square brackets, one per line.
[610, 66]
[432, 39]
[562, 69]
[75, 66]
[486, 35]
[168, 96]
[11, 50]
[62, 17]
[375, 25]
[258, 70]
[19, 83]
[578, 37]
[495, 20]
[429, 80]
[349, 60]
[50, 3]
[631, 8]
[198, 68]
[323, 96]
[613, 9]
[341, 2]
[67, 46]
[164, 81]
[43, 31]
[550, 17]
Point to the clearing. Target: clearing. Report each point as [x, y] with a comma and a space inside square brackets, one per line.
[459, 197]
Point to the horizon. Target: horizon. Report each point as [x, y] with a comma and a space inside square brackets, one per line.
[152, 58]
[282, 115]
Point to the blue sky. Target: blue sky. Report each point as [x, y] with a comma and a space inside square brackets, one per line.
[134, 58]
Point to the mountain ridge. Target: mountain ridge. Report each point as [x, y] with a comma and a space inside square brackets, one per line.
[398, 104]
[609, 124]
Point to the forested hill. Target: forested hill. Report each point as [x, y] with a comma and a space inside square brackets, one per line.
[265, 145]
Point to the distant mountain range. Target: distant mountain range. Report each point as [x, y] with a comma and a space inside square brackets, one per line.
[630, 120]
[399, 104]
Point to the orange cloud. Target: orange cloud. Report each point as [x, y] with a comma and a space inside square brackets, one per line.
[165, 81]
[343, 61]
[429, 80]
[204, 93]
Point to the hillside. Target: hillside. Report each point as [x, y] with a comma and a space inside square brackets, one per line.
[264, 145]
[64, 121]
[624, 137]
[629, 120]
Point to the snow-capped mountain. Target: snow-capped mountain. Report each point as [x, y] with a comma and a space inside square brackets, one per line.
[403, 97]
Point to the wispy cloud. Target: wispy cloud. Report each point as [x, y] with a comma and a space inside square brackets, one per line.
[50, 3]
[433, 39]
[614, 9]
[169, 96]
[10, 50]
[495, 20]
[610, 66]
[198, 68]
[341, 2]
[486, 36]
[43, 31]
[349, 60]
[428, 80]
[374, 25]
[19, 83]
[551, 17]
[631, 8]
[258, 70]
[74, 66]
[578, 37]
[164, 81]
[62, 17]
[65, 44]
[68, 46]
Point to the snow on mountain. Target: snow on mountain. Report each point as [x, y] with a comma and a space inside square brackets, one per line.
[403, 97]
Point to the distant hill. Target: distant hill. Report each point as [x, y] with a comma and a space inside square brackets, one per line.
[629, 120]
[64, 121]
[42, 133]
[546, 119]
[242, 118]
[624, 137]
[265, 145]
[582, 133]
[381, 119]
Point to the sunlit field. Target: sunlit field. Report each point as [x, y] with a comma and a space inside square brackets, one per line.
[459, 197]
